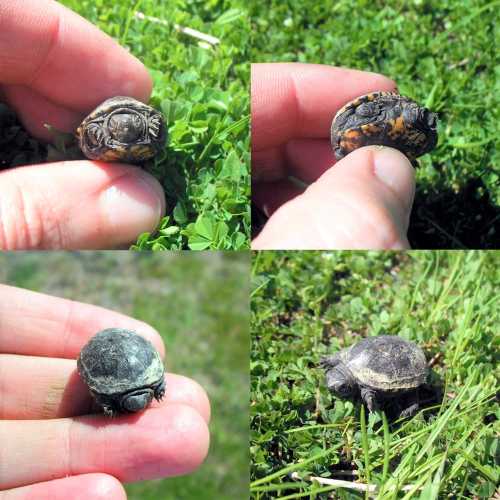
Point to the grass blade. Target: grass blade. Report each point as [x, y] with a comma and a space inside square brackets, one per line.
[294, 467]
[364, 444]
[387, 452]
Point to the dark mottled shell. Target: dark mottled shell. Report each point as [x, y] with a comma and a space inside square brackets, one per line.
[116, 361]
[386, 363]
[386, 119]
[122, 129]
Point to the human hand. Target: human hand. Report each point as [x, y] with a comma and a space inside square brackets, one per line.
[50, 447]
[364, 201]
[55, 67]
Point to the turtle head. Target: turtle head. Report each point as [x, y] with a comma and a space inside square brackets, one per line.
[126, 127]
[426, 119]
[137, 400]
[419, 117]
[430, 118]
[340, 381]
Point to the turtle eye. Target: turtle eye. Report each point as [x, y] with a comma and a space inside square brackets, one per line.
[344, 389]
[430, 119]
[367, 109]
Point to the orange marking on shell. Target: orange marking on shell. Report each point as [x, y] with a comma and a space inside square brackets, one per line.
[398, 128]
[351, 134]
[142, 151]
[351, 140]
[111, 155]
[371, 129]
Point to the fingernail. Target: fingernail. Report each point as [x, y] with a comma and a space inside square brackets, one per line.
[395, 170]
[134, 203]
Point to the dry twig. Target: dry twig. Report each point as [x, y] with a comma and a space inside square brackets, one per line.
[370, 488]
[211, 40]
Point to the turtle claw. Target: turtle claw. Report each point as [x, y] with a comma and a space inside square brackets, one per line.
[154, 126]
[410, 411]
[108, 411]
[369, 400]
[160, 391]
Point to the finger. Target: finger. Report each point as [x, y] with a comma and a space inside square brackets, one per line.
[35, 324]
[269, 165]
[42, 207]
[82, 487]
[309, 159]
[291, 100]
[363, 202]
[41, 47]
[305, 159]
[269, 196]
[160, 442]
[35, 110]
[52, 388]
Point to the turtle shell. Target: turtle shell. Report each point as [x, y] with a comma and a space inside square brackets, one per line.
[386, 363]
[122, 129]
[386, 119]
[116, 361]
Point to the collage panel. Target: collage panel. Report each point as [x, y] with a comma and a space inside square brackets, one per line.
[145, 104]
[374, 375]
[368, 131]
[58, 437]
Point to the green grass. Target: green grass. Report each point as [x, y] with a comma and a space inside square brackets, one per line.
[441, 53]
[199, 304]
[203, 93]
[307, 304]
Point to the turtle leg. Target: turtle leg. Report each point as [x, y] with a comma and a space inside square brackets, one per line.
[105, 405]
[369, 399]
[160, 391]
[411, 407]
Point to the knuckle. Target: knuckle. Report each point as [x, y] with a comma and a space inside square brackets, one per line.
[26, 221]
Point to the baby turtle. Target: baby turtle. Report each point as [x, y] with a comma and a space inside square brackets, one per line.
[122, 129]
[122, 370]
[386, 119]
[379, 369]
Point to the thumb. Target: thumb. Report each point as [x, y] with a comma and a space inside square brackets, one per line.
[363, 202]
[77, 205]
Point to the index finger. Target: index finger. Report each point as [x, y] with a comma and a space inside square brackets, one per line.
[35, 324]
[294, 100]
[163, 441]
[64, 58]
